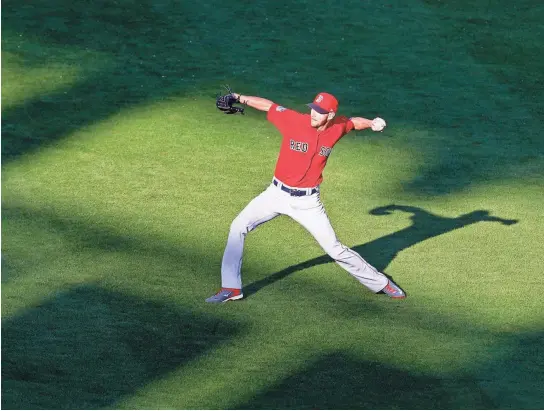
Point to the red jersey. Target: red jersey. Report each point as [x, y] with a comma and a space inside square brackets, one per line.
[304, 150]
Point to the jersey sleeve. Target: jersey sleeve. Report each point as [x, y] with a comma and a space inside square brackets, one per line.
[346, 123]
[349, 126]
[278, 115]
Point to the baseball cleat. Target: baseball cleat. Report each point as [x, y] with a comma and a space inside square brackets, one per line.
[226, 294]
[393, 290]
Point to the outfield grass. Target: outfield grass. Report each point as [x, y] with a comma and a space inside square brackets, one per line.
[120, 180]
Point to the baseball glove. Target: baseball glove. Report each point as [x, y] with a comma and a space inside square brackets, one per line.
[225, 103]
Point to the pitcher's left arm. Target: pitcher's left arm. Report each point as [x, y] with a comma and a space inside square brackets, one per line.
[360, 123]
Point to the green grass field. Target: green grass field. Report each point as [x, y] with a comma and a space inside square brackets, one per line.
[120, 180]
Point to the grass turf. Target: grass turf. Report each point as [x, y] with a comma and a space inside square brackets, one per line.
[120, 180]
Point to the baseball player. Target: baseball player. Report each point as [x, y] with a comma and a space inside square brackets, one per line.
[308, 140]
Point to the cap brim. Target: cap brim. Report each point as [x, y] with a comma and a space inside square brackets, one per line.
[317, 108]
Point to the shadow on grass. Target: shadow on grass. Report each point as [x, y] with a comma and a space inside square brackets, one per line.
[383, 250]
[89, 347]
[156, 49]
[512, 378]
[49, 233]
[337, 381]
[126, 52]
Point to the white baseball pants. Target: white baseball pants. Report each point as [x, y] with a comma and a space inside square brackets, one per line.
[310, 213]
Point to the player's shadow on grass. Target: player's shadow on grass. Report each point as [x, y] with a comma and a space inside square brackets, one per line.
[383, 250]
[89, 347]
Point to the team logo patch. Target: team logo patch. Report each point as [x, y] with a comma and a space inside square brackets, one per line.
[280, 108]
[319, 99]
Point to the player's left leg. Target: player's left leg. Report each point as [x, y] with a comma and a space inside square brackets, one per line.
[311, 214]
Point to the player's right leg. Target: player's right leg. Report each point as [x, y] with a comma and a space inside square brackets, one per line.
[261, 209]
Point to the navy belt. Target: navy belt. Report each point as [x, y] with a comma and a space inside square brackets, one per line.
[293, 191]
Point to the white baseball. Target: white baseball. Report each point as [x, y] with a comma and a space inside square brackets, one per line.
[378, 124]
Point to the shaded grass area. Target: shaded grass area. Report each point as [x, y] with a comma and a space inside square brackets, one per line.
[88, 347]
[64, 250]
[367, 385]
[374, 385]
